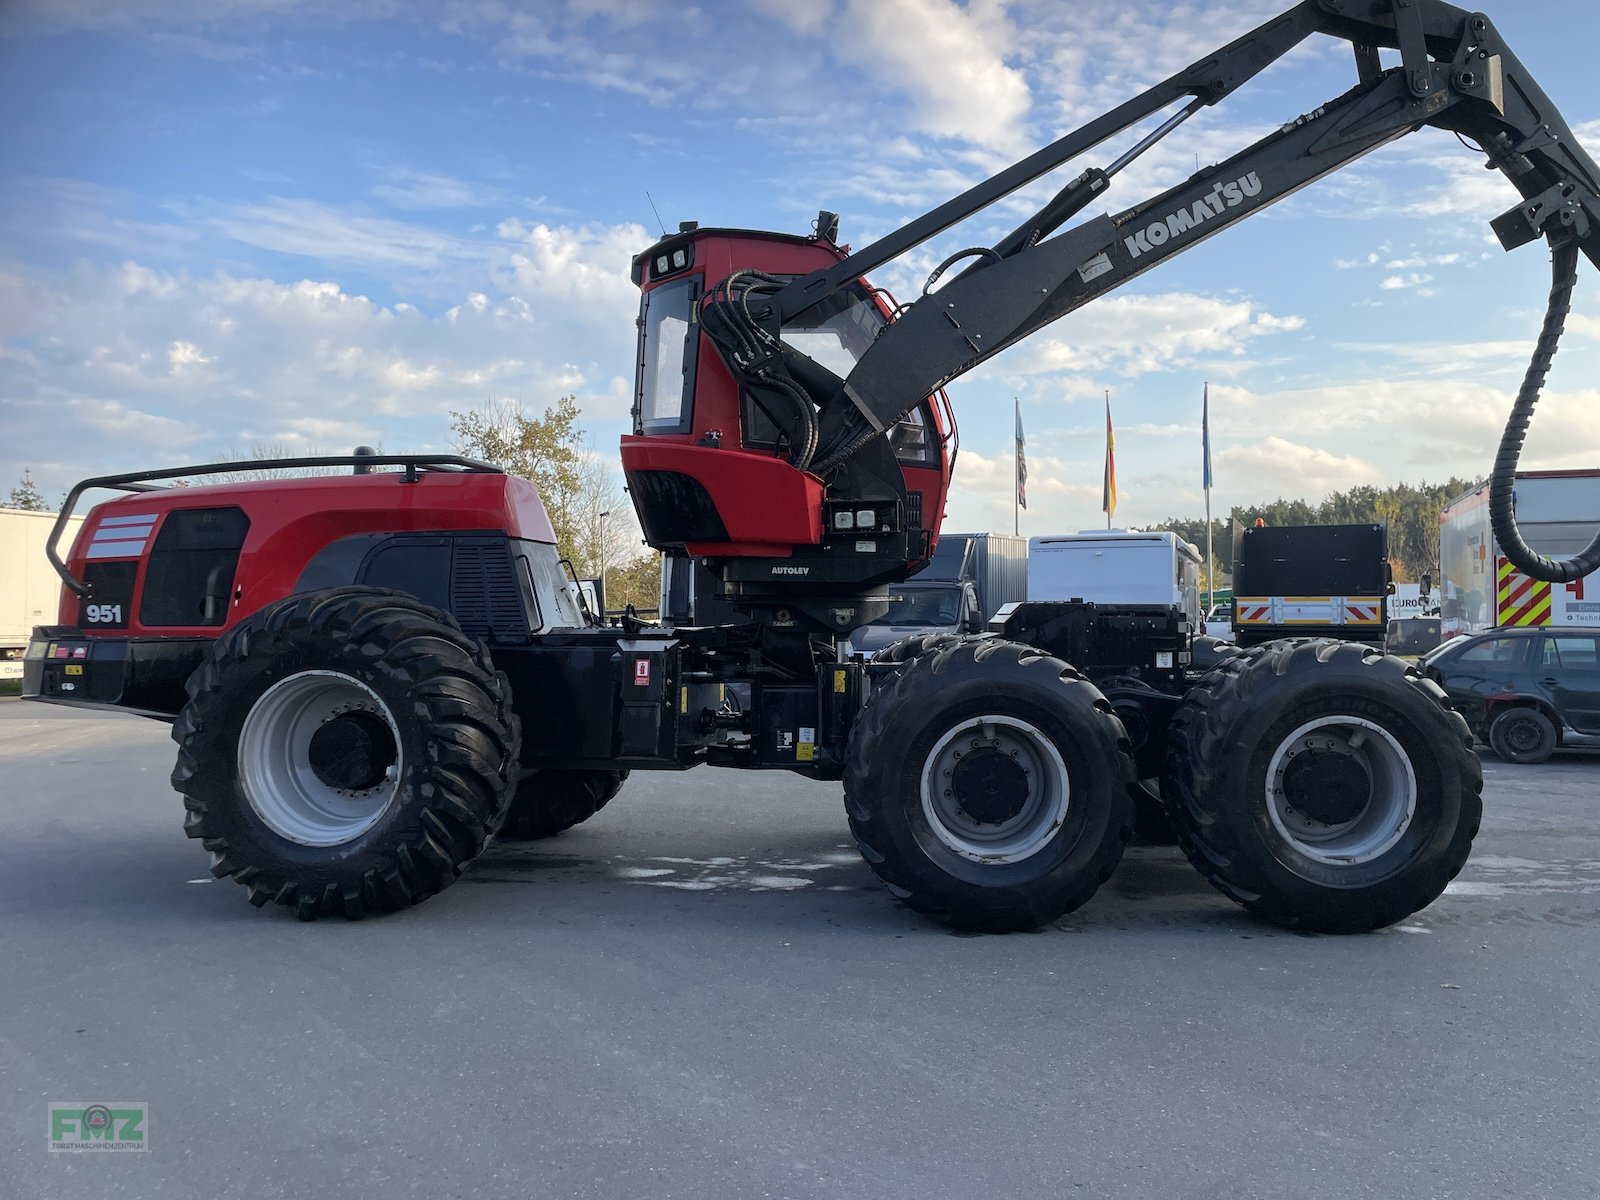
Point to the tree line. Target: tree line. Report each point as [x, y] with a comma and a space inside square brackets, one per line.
[1411, 512]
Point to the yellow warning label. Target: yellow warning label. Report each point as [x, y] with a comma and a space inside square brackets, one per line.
[74, 669]
[838, 681]
[1520, 600]
[805, 752]
[683, 700]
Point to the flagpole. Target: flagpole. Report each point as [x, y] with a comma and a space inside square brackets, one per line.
[1205, 440]
[1107, 505]
[1016, 469]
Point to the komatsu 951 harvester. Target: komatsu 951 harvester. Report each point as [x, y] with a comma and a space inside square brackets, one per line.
[371, 675]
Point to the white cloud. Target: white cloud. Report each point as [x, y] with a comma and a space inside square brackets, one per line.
[20, 17]
[981, 491]
[1280, 467]
[183, 356]
[1129, 336]
[411, 189]
[950, 59]
[1396, 282]
[335, 235]
[136, 366]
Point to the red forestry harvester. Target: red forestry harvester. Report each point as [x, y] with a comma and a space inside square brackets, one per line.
[371, 676]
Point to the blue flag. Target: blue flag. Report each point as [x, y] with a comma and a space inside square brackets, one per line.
[1205, 436]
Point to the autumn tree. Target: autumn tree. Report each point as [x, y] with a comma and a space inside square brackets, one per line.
[1410, 511]
[588, 509]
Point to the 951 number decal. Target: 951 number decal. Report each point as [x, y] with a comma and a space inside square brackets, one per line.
[103, 614]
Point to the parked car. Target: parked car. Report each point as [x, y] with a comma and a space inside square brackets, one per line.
[1219, 621]
[1523, 691]
[1413, 635]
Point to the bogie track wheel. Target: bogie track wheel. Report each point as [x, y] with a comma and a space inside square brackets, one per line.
[989, 785]
[1323, 785]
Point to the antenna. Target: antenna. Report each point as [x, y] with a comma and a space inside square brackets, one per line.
[659, 221]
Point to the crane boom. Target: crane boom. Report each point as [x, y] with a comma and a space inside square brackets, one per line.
[821, 443]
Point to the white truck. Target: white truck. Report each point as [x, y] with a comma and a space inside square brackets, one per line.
[1478, 589]
[1118, 567]
[30, 590]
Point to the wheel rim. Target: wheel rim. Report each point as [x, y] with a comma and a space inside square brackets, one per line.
[995, 790]
[1522, 735]
[1341, 790]
[319, 758]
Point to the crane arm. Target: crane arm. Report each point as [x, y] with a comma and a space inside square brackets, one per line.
[1456, 74]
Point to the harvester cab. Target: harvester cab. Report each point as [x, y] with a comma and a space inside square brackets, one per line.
[719, 466]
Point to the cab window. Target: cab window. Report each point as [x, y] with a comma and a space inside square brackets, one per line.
[835, 333]
[666, 358]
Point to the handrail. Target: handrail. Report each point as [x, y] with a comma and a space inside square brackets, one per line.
[140, 481]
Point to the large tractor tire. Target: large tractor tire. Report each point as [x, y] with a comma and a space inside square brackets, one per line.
[1323, 785]
[989, 786]
[345, 752]
[917, 644]
[1207, 652]
[1151, 824]
[551, 802]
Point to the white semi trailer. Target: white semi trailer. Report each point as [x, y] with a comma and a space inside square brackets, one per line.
[1557, 512]
[30, 590]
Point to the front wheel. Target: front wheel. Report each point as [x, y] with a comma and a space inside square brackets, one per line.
[989, 785]
[345, 751]
[1522, 735]
[1323, 784]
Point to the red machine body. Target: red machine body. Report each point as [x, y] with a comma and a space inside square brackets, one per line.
[276, 528]
[708, 476]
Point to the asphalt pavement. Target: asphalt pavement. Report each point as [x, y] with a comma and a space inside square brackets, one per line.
[704, 993]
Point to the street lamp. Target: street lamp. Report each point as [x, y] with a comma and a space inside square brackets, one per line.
[603, 517]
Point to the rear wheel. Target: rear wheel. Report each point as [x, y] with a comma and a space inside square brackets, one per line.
[990, 786]
[910, 647]
[345, 752]
[550, 802]
[1323, 785]
[1151, 824]
[1522, 735]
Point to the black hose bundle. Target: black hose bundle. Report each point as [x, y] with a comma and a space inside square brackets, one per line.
[754, 353]
[1502, 508]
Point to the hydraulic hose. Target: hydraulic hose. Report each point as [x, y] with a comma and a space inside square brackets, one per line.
[1502, 509]
[748, 350]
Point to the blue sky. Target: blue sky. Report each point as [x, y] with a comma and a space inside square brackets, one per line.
[234, 221]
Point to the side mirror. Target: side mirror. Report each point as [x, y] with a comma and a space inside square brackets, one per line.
[973, 624]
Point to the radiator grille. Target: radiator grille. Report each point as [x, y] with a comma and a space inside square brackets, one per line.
[483, 592]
